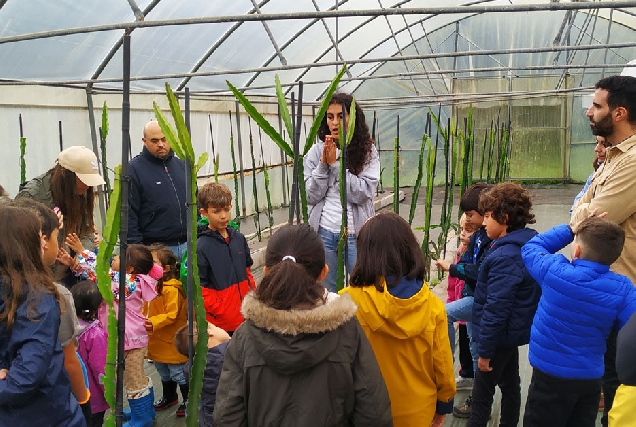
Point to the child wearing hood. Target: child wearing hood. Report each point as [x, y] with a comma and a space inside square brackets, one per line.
[405, 323]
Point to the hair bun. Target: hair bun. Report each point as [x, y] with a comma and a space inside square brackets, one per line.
[156, 272]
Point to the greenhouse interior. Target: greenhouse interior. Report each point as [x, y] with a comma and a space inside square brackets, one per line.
[498, 86]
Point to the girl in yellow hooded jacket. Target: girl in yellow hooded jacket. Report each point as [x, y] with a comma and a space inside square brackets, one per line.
[166, 314]
[405, 323]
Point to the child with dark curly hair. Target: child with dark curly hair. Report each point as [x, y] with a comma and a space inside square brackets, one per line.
[506, 298]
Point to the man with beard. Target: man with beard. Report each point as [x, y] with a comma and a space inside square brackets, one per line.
[613, 190]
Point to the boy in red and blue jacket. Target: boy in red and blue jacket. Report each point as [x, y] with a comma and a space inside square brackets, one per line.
[223, 258]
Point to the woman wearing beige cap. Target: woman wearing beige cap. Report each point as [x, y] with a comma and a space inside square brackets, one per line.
[68, 186]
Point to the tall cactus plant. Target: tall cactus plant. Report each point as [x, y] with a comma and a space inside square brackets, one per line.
[181, 143]
[106, 246]
[286, 118]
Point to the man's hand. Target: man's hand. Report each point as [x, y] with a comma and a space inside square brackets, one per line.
[443, 264]
[73, 242]
[575, 228]
[148, 325]
[3, 373]
[438, 420]
[484, 365]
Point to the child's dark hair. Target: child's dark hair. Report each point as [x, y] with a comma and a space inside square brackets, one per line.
[139, 258]
[601, 240]
[22, 272]
[291, 282]
[509, 203]
[214, 194]
[470, 199]
[87, 300]
[181, 341]
[47, 217]
[387, 248]
[166, 258]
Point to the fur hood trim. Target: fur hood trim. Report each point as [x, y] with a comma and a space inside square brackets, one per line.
[323, 318]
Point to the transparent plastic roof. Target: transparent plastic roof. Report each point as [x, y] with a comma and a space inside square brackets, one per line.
[250, 53]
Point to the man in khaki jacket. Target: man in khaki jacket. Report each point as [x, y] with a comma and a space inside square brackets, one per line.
[613, 188]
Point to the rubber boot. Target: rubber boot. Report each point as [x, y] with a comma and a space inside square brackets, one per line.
[170, 397]
[142, 411]
[181, 410]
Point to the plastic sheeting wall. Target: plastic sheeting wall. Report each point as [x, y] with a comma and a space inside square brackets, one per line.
[42, 108]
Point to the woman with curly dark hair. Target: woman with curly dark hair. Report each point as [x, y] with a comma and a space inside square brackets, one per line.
[322, 180]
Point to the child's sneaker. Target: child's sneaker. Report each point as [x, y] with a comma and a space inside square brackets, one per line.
[464, 410]
[181, 410]
[462, 383]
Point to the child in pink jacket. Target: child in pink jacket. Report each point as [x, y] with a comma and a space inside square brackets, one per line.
[465, 379]
[93, 345]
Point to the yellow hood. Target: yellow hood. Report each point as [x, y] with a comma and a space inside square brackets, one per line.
[383, 313]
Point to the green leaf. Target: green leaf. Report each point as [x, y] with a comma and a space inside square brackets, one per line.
[168, 132]
[313, 131]
[106, 246]
[284, 112]
[261, 121]
[351, 123]
[182, 129]
[22, 160]
[202, 159]
[104, 121]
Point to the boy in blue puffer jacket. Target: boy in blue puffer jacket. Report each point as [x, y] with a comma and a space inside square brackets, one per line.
[582, 301]
[506, 298]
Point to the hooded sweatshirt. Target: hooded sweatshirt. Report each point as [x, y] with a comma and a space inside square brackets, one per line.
[410, 339]
[305, 368]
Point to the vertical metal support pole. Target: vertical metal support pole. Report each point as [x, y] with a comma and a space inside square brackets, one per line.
[299, 115]
[345, 205]
[240, 153]
[396, 184]
[294, 191]
[609, 32]
[283, 160]
[189, 215]
[96, 150]
[59, 128]
[123, 232]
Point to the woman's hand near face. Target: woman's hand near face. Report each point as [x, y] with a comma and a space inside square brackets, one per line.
[329, 151]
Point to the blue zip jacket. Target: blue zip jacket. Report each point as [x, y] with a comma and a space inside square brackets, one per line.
[581, 302]
[157, 200]
[506, 296]
[467, 269]
[37, 391]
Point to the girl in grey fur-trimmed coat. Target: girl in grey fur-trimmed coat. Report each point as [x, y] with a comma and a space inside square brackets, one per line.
[300, 357]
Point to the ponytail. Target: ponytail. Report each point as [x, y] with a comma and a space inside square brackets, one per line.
[288, 285]
[295, 258]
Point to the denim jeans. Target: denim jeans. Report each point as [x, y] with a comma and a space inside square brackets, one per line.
[179, 250]
[462, 310]
[171, 372]
[330, 240]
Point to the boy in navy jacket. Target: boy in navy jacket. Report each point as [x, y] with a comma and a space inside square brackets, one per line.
[506, 298]
[467, 269]
[582, 302]
[223, 258]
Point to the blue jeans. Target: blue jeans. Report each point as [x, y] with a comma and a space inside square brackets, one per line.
[330, 240]
[462, 310]
[179, 250]
[170, 372]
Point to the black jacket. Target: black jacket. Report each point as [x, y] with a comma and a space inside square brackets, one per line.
[506, 296]
[213, 365]
[157, 200]
[305, 368]
[625, 350]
